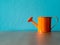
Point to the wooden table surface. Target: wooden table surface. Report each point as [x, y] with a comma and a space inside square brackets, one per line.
[29, 38]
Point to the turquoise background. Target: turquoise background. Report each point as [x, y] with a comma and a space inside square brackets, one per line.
[15, 13]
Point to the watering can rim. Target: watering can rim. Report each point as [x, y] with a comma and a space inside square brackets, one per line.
[45, 16]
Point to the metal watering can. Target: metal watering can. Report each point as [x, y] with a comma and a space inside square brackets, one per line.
[44, 23]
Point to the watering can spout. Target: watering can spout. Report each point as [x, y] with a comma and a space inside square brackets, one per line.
[33, 22]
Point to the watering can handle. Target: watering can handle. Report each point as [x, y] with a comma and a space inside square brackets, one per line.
[57, 20]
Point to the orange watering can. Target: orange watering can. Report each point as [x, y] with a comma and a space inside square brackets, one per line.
[44, 23]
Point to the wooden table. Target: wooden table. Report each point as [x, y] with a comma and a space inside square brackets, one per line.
[29, 38]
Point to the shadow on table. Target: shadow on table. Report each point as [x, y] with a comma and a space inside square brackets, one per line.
[43, 38]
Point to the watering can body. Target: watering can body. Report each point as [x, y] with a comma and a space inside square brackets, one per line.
[44, 23]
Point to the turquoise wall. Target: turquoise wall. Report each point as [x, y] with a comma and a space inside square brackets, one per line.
[15, 13]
